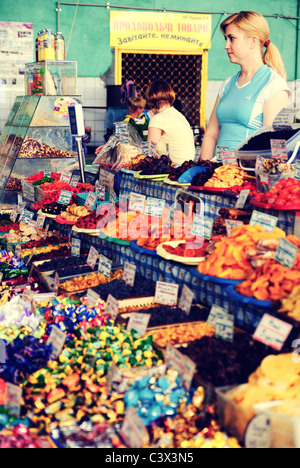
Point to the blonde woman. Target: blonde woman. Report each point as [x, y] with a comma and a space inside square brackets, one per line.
[255, 95]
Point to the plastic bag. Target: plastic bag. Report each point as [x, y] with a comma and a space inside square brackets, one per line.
[120, 149]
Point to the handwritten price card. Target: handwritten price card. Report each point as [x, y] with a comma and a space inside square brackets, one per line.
[66, 176]
[137, 202]
[185, 367]
[92, 257]
[186, 299]
[224, 325]
[133, 430]
[278, 149]
[268, 222]
[65, 197]
[75, 247]
[166, 293]
[111, 307]
[91, 200]
[138, 322]
[105, 265]
[286, 253]
[57, 340]
[229, 157]
[272, 331]
[129, 273]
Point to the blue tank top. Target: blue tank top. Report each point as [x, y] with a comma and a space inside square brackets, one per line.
[239, 113]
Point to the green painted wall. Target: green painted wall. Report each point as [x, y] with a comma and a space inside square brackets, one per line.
[89, 43]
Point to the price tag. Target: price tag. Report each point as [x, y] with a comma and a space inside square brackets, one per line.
[241, 201]
[66, 176]
[278, 149]
[26, 216]
[231, 224]
[104, 266]
[40, 220]
[2, 361]
[185, 367]
[32, 223]
[219, 151]
[268, 222]
[28, 190]
[74, 180]
[136, 202]
[111, 307]
[229, 157]
[215, 309]
[154, 207]
[90, 201]
[21, 207]
[145, 147]
[92, 257]
[259, 432]
[224, 325]
[138, 322]
[272, 331]
[13, 399]
[297, 170]
[202, 226]
[100, 191]
[92, 297]
[13, 216]
[56, 283]
[259, 164]
[133, 431]
[166, 293]
[65, 197]
[186, 299]
[129, 273]
[75, 247]
[286, 253]
[27, 296]
[57, 340]
[47, 174]
[106, 179]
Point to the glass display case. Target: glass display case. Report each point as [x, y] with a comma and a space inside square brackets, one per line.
[51, 78]
[36, 138]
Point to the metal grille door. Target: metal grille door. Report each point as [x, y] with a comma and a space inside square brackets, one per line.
[187, 73]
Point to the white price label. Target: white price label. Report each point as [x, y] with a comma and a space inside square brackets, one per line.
[133, 431]
[66, 176]
[106, 178]
[231, 224]
[297, 170]
[138, 322]
[13, 397]
[28, 190]
[111, 307]
[272, 331]
[186, 299]
[104, 266]
[241, 201]
[74, 180]
[13, 216]
[100, 191]
[278, 149]
[185, 367]
[40, 221]
[166, 293]
[219, 151]
[90, 201]
[57, 340]
[92, 257]
[92, 297]
[259, 432]
[224, 326]
[215, 309]
[137, 202]
[129, 273]
[286, 253]
[65, 197]
[75, 247]
[229, 157]
[268, 222]
[154, 207]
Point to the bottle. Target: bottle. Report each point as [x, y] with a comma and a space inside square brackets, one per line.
[59, 42]
[49, 51]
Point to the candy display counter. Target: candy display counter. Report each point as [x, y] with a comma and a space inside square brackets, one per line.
[36, 137]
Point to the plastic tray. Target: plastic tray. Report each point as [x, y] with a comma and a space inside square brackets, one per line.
[47, 215]
[127, 171]
[274, 206]
[115, 240]
[136, 248]
[177, 258]
[61, 220]
[91, 232]
[217, 280]
[137, 175]
[174, 182]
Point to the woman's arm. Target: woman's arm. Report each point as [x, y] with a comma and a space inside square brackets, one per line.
[211, 135]
[154, 134]
[273, 106]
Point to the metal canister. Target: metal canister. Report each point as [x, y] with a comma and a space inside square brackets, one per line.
[49, 51]
[59, 44]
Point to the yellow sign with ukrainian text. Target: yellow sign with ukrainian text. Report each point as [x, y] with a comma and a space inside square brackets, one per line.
[160, 31]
